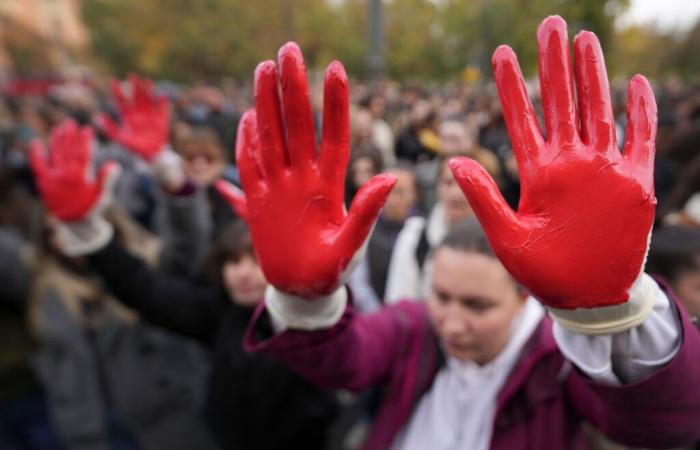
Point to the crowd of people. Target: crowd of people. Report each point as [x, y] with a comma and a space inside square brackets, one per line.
[128, 332]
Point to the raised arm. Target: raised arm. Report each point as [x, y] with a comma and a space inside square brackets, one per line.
[580, 235]
[579, 239]
[76, 198]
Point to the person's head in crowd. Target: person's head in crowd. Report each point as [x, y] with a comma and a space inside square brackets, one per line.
[365, 163]
[472, 300]
[421, 114]
[375, 104]
[233, 265]
[456, 138]
[361, 127]
[403, 197]
[202, 154]
[32, 121]
[450, 195]
[675, 255]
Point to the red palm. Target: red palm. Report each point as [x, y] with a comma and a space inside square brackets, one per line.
[580, 234]
[303, 237]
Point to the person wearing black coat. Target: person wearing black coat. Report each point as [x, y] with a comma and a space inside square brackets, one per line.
[253, 401]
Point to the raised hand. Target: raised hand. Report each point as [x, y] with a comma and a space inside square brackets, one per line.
[303, 237]
[144, 124]
[580, 234]
[66, 183]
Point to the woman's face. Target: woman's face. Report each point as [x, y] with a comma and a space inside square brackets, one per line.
[402, 197]
[472, 304]
[244, 281]
[202, 164]
[451, 196]
[362, 170]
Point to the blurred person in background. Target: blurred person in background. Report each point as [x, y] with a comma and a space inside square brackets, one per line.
[457, 138]
[409, 267]
[674, 254]
[369, 279]
[364, 136]
[252, 402]
[141, 387]
[365, 162]
[204, 162]
[417, 141]
[25, 422]
[382, 134]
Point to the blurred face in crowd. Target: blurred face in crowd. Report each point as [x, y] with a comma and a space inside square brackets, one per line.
[454, 138]
[687, 288]
[451, 196]
[362, 170]
[244, 280]
[361, 125]
[377, 107]
[472, 303]
[402, 198]
[203, 159]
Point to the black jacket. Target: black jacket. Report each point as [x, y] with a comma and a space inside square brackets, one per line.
[254, 402]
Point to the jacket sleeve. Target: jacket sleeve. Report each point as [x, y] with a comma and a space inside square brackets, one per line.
[185, 226]
[173, 303]
[659, 411]
[358, 351]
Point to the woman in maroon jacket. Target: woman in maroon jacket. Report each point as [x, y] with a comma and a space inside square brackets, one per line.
[612, 349]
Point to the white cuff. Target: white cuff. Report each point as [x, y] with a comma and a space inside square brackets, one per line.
[297, 313]
[85, 236]
[628, 356]
[611, 319]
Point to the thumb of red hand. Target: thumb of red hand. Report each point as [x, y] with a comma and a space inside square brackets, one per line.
[497, 218]
[364, 210]
[234, 197]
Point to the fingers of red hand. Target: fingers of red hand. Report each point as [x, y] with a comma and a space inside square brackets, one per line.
[234, 197]
[593, 92]
[335, 142]
[299, 119]
[494, 214]
[364, 210]
[163, 109]
[518, 113]
[248, 153]
[556, 85]
[141, 91]
[61, 144]
[269, 119]
[640, 137]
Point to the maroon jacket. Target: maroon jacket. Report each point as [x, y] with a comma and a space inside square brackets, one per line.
[542, 404]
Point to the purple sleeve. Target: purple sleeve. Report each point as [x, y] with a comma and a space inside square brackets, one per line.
[360, 350]
[660, 411]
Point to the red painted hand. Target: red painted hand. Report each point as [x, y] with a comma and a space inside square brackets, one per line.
[303, 237]
[144, 119]
[580, 234]
[63, 176]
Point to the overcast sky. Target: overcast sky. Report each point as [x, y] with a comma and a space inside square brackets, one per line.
[665, 14]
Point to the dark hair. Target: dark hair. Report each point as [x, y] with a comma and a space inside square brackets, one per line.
[232, 243]
[467, 236]
[674, 250]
